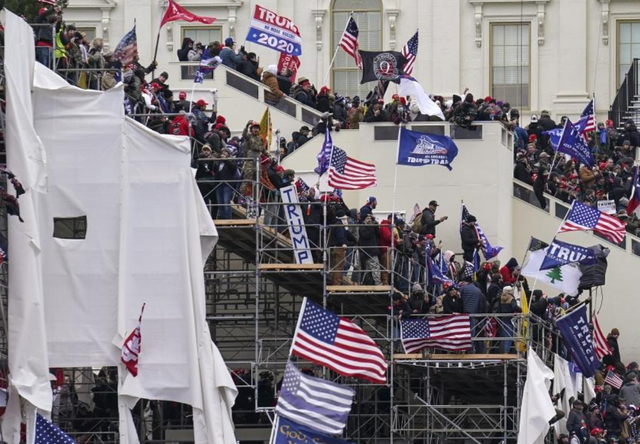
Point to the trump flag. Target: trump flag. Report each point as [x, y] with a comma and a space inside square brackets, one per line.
[418, 149]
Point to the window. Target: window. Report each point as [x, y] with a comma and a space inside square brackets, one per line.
[346, 76]
[70, 227]
[628, 47]
[90, 32]
[510, 63]
[202, 34]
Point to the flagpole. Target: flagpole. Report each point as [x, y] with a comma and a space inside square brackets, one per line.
[155, 53]
[335, 53]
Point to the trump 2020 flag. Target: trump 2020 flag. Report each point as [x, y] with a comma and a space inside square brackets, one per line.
[418, 149]
[322, 405]
[382, 65]
[291, 432]
[274, 31]
[131, 348]
[572, 143]
[562, 253]
[574, 328]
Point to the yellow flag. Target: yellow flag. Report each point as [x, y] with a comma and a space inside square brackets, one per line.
[266, 130]
[524, 304]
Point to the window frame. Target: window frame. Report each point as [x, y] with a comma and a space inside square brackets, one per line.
[334, 43]
[631, 21]
[185, 28]
[491, 44]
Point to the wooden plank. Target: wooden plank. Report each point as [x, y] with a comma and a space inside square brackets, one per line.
[234, 222]
[456, 357]
[358, 288]
[272, 267]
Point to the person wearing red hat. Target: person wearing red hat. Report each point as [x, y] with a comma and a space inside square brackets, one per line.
[183, 104]
[304, 93]
[202, 121]
[48, 15]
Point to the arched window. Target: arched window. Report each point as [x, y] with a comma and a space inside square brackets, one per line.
[345, 76]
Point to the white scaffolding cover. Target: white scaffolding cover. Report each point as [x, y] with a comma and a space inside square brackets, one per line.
[148, 234]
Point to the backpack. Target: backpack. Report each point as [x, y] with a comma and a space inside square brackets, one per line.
[416, 225]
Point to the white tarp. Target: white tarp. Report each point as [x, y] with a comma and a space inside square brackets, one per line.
[28, 359]
[537, 408]
[148, 234]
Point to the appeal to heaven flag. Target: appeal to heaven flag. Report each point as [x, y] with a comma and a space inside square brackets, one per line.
[381, 65]
[419, 149]
[565, 278]
[563, 253]
[320, 404]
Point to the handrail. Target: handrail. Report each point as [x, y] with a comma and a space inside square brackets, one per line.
[621, 105]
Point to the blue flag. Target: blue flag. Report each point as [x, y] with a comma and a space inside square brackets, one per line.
[489, 251]
[324, 155]
[554, 137]
[572, 143]
[207, 65]
[561, 253]
[576, 336]
[289, 432]
[436, 276]
[419, 149]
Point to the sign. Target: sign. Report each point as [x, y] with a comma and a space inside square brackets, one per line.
[297, 229]
[289, 61]
[607, 206]
[273, 31]
[419, 149]
[576, 336]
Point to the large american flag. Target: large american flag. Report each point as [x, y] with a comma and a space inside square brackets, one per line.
[320, 404]
[601, 346]
[587, 121]
[127, 49]
[410, 52]
[337, 343]
[349, 41]
[585, 218]
[451, 333]
[48, 433]
[347, 173]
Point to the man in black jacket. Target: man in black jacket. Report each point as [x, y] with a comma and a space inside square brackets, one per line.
[469, 238]
[370, 248]
[429, 221]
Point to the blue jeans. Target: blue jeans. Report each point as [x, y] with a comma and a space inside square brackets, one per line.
[223, 196]
[506, 331]
[43, 55]
[477, 334]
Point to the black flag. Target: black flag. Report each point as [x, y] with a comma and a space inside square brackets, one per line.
[385, 66]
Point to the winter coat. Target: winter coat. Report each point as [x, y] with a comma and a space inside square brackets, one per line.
[451, 305]
[469, 239]
[305, 98]
[271, 81]
[631, 393]
[473, 301]
[521, 173]
[183, 52]
[355, 116]
[369, 241]
[587, 177]
[230, 58]
[429, 222]
[507, 271]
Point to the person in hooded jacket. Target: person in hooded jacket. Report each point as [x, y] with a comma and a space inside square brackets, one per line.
[508, 305]
[269, 78]
[249, 66]
[510, 271]
[183, 52]
[466, 112]
[612, 339]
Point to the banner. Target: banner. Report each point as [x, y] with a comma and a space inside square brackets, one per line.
[565, 278]
[297, 228]
[562, 253]
[385, 66]
[576, 335]
[418, 149]
[273, 31]
[572, 143]
[289, 432]
[289, 61]
[607, 206]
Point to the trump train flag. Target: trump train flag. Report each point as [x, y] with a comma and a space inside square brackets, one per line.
[418, 149]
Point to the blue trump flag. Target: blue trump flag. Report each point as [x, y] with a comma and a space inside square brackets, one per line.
[572, 143]
[576, 336]
[418, 149]
[554, 137]
[289, 432]
[562, 253]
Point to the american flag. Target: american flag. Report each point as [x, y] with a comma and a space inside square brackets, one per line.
[601, 345]
[613, 380]
[207, 64]
[349, 41]
[451, 333]
[347, 173]
[587, 121]
[634, 202]
[48, 433]
[584, 218]
[410, 52]
[320, 404]
[337, 343]
[131, 348]
[127, 49]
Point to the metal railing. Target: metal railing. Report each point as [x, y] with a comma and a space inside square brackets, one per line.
[628, 92]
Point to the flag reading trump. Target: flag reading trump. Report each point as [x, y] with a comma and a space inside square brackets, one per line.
[418, 149]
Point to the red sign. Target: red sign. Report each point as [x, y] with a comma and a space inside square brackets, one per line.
[289, 61]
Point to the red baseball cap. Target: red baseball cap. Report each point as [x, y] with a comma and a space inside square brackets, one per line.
[202, 102]
[155, 86]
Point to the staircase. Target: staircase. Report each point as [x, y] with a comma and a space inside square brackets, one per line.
[626, 105]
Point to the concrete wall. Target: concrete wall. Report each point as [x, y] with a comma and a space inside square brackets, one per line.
[481, 177]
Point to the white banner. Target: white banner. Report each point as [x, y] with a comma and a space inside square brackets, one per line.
[297, 229]
[607, 206]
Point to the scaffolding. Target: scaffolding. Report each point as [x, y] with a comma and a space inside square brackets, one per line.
[254, 291]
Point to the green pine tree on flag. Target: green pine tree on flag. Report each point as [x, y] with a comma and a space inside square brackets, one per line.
[555, 274]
